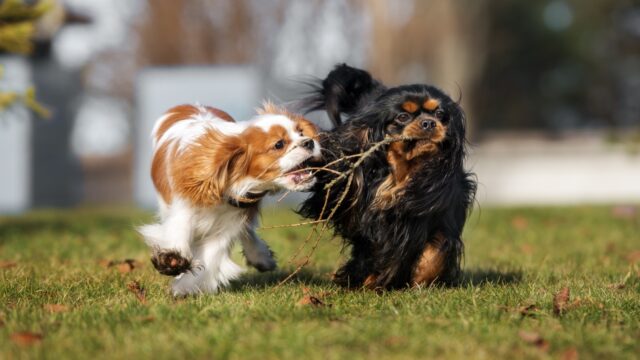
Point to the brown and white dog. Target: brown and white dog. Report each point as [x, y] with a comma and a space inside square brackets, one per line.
[210, 173]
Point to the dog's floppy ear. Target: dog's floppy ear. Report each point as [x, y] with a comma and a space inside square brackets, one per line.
[232, 163]
[205, 172]
[341, 92]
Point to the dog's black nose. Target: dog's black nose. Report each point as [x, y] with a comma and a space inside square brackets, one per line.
[308, 144]
[428, 124]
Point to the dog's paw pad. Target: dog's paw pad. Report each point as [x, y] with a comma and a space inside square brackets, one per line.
[170, 263]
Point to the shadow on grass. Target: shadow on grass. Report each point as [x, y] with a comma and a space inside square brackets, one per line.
[482, 277]
[269, 279]
[319, 277]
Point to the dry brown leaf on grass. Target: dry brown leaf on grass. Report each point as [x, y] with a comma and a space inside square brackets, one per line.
[4, 264]
[519, 222]
[618, 286]
[526, 249]
[610, 248]
[26, 338]
[528, 310]
[535, 339]
[395, 341]
[55, 308]
[135, 287]
[622, 284]
[570, 354]
[634, 256]
[312, 300]
[560, 301]
[123, 266]
[146, 319]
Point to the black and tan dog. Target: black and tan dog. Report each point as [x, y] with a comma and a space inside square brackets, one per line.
[407, 205]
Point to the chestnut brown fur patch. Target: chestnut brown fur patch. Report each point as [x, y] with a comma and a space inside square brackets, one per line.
[431, 263]
[264, 158]
[175, 114]
[204, 172]
[159, 174]
[431, 104]
[409, 106]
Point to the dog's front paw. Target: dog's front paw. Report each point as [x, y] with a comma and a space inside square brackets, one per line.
[170, 263]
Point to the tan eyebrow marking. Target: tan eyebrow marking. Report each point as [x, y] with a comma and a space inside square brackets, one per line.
[409, 106]
[431, 104]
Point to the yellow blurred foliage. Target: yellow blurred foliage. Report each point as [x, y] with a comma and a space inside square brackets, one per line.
[17, 27]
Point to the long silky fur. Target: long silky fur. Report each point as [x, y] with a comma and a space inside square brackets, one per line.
[342, 91]
[388, 242]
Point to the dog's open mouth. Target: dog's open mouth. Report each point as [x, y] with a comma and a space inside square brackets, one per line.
[300, 174]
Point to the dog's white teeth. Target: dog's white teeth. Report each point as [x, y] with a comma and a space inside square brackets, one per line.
[300, 176]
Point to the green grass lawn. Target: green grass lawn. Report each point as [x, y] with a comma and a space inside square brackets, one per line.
[56, 286]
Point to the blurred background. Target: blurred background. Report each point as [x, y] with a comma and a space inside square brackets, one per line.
[551, 87]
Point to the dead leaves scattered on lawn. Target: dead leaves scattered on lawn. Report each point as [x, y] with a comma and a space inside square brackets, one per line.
[312, 300]
[534, 339]
[621, 285]
[123, 266]
[146, 319]
[527, 310]
[135, 287]
[634, 256]
[26, 338]
[561, 301]
[55, 308]
[561, 304]
[530, 310]
[4, 264]
[570, 354]
[395, 341]
[519, 222]
[618, 286]
[527, 249]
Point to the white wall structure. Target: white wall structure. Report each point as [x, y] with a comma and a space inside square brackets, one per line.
[15, 149]
[583, 168]
[234, 89]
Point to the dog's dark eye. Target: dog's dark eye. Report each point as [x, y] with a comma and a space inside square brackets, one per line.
[439, 114]
[279, 145]
[403, 117]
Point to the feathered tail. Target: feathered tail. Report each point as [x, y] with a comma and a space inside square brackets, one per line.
[340, 92]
